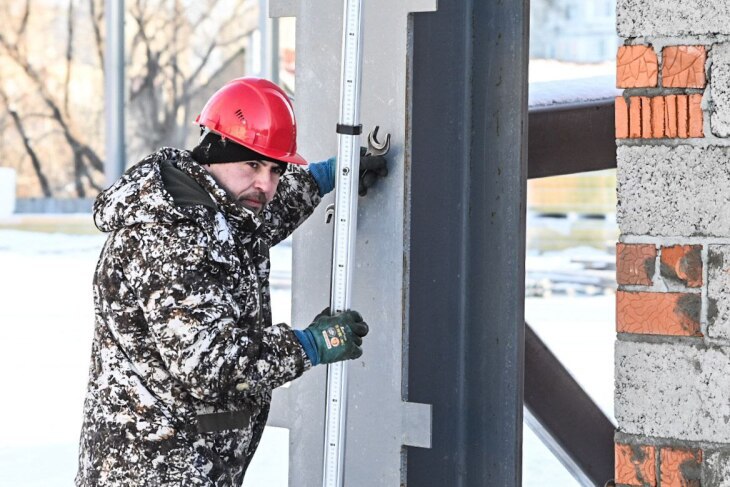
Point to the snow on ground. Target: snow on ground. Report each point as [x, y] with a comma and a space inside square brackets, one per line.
[46, 326]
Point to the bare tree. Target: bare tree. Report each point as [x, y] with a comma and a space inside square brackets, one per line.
[35, 161]
[86, 160]
[172, 61]
[178, 49]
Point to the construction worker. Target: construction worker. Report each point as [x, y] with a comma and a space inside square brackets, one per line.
[185, 354]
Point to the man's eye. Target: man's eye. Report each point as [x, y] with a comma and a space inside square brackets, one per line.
[253, 164]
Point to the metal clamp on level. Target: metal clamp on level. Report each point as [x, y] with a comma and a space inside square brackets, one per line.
[349, 129]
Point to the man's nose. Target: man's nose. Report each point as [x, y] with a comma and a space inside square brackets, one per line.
[265, 182]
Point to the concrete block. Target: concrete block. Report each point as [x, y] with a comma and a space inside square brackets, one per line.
[673, 390]
[673, 191]
[720, 90]
[718, 291]
[716, 470]
[638, 18]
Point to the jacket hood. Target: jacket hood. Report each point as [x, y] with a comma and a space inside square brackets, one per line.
[141, 195]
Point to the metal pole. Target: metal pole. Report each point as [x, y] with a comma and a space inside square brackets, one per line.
[114, 90]
[274, 50]
[267, 51]
[263, 38]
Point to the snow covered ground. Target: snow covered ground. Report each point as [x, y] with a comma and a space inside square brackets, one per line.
[45, 339]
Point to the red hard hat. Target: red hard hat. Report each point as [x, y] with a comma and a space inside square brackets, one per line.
[257, 114]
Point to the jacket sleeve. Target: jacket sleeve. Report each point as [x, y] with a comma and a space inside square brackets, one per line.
[193, 318]
[296, 198]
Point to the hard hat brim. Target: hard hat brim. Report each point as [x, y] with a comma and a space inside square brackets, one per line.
[288, 158]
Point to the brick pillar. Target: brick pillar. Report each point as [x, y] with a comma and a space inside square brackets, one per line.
[673, 261]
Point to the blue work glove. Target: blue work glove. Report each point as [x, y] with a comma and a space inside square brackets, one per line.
[371, 168]
[333, 338]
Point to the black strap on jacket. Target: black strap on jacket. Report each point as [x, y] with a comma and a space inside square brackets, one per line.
[227, 420]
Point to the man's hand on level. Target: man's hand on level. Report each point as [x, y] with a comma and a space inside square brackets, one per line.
[333, 338]
[372, 168]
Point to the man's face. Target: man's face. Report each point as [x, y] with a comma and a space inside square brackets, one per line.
[252, 183]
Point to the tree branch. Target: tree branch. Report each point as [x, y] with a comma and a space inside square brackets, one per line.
[239, 52]
[69, 53]
[35, 161]
[42, 90]
[24, 19]
[96, 20]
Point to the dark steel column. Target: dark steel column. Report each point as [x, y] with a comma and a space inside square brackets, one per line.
[468, 173]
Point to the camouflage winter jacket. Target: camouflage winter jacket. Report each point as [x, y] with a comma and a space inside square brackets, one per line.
[185, 355]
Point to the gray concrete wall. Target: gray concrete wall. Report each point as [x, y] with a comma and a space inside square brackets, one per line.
[640, 18]
[379, 421]
[672, 391]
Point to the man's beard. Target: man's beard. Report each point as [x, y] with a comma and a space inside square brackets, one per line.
[259, 197]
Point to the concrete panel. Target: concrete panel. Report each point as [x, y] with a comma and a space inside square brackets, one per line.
[720, 88]
[673, 191]
[379, 423]
[716, 469]
[718, 291]
[677, 390]
[637, 18]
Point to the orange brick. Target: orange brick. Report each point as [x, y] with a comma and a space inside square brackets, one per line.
[682, 116]
[635, 263]
[683, 263]
[696, 128]
[657, 117]
[680, 467]
[684, 67]
[636, 67]
[658, 313]
[635, 465]
[645, 117]
[635, 117]
[622, 118]
[670, 118]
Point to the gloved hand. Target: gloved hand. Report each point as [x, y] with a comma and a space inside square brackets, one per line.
[371, 168]
[333, 338]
